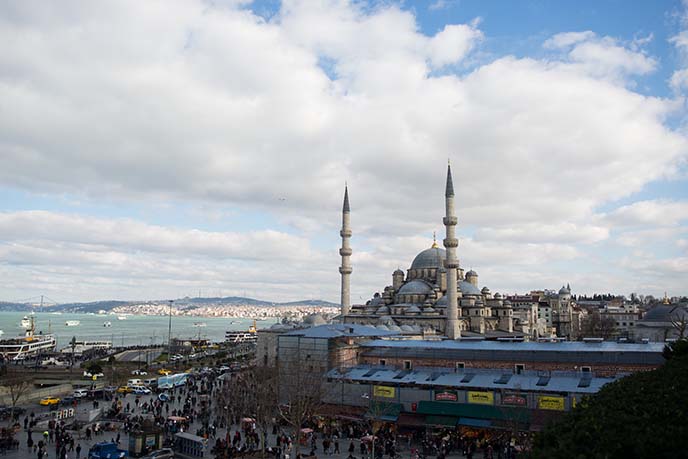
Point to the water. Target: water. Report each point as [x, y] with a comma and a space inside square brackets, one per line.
[136, 330]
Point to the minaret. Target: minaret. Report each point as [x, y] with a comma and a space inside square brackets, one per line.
[345, 269]
[451, 263]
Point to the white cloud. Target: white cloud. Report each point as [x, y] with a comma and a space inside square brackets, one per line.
[566, 39]
[603, 57]
[128, 235]
[183, 101]
[452, 44]
[651, 212]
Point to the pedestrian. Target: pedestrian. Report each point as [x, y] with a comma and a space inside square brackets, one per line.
[336, 445]
[352, 448]
[78, 451]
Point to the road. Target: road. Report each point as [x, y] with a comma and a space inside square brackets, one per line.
[139, 355]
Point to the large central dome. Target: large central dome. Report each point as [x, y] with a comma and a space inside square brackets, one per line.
[430, 258]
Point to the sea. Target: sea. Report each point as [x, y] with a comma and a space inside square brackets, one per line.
[136, 330]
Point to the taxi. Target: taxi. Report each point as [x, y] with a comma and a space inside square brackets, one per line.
[124, 390]
[49, 401]
[164, 372]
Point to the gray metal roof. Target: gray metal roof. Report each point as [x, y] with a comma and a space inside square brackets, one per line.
[576, 352]
[415, 287]
[568, 382]
[340, 330]
[429, 258]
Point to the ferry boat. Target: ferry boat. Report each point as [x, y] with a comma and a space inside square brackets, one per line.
[72, 323]
[27, 346]
[83, 346]
[239, 336]
[121, 317]
[107, 324]
[26, 322]
[200, 324]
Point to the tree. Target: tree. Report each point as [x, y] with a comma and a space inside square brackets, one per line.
[300, 393]
[94, 368]
[639, 416]
[677, 348]
[252, 393]
[679, 320]
[16, 385]
[597, 326]
[72, 344]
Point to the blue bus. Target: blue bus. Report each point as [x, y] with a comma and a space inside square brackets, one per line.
[168, 382]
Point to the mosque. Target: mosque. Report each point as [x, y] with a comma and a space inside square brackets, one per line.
[435, 296]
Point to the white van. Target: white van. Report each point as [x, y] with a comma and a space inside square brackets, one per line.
[134, 382]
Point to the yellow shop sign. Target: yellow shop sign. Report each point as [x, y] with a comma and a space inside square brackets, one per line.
[383, 391]
[551, 403]
[483, 398]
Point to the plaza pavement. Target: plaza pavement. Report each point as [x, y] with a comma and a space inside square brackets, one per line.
[24, 453]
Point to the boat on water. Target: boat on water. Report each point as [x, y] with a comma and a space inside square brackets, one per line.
[81, 347]
[26, 321]
[2, 332]
[107, 324]
[200, 324]
[28, 346]
[241, 336]
[121, 317]
[73, 323]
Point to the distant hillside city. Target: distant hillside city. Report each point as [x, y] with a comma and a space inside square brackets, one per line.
[238, 307]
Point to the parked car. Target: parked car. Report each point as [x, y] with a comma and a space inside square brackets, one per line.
[139, 373]
[165, 453]
[79, 393]
[141, 390]
[106, 450]
[49, 401]
[164, 372]
[125, 390]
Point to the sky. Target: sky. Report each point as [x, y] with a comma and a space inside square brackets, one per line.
[159, 149]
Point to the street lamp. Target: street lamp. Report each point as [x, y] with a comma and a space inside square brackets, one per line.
[169, 335]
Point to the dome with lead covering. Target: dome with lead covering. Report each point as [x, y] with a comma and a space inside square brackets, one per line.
[468, 289]
[432, 258]
[415, 287]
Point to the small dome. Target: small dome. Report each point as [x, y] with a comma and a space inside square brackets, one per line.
[407, 329]
[471, 273]
[429, 258]
[398, 272]
[382, 327]
[395, 328]
[485, 291]
[468, 289]
[498, 296]
[412, 310]
[386, 320]
[314, 320]
[382, 310]
[563, 290]
[415, 287]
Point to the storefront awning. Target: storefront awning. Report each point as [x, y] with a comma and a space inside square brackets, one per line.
[411, 420]
[472, 422]
[474, 411]
[441, 421]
